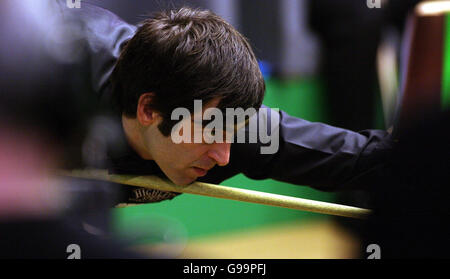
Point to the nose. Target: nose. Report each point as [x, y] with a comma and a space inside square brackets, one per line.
[220, 152]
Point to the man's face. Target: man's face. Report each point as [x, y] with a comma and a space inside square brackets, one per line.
[184, 162]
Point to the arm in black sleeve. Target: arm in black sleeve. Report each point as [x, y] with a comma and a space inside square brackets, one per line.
[313, 154]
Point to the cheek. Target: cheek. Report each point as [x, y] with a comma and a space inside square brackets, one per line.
[190, 152]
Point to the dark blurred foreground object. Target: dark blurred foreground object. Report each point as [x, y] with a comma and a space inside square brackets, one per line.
[46, 99]
[54, 239]
[411, 207]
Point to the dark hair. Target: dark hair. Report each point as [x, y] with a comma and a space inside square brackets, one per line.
[185, 55]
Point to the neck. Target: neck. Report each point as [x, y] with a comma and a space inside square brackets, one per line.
[134, 136]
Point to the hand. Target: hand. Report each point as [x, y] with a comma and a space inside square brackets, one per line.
[143, 195]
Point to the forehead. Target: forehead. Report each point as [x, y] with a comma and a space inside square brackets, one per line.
[212, 104]
[198, 116]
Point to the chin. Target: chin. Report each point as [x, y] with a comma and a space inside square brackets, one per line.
[183, 181]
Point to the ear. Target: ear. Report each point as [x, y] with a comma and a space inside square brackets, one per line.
[145, 114]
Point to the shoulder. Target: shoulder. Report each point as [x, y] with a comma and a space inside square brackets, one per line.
[101, 36]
